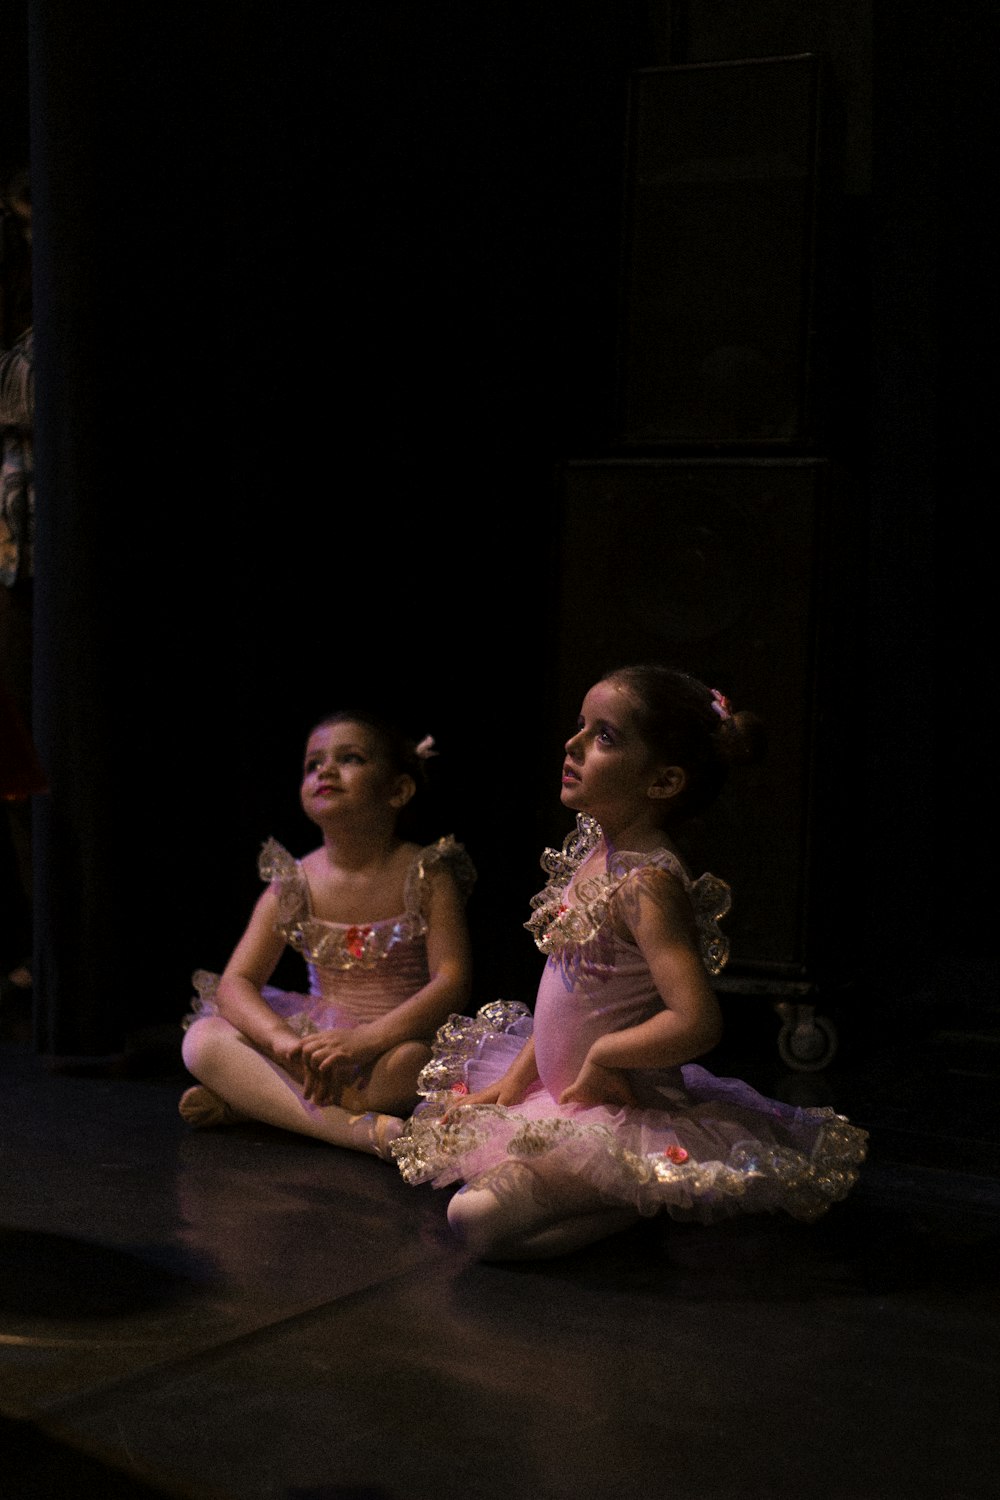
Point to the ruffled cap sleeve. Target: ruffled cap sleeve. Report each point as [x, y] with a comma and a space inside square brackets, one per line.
[280, 869]
[446, 854]
[711, 899]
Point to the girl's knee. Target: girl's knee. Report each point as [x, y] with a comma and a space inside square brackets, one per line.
[391, 1085]
[202, 1040]
[488, 1228]
[409, 1057]
[472, 1222]
[508, 1219]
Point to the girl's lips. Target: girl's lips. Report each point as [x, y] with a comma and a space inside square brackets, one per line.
[569, 776]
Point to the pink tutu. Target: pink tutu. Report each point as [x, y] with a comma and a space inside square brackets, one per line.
[694, 1146]
[715, 1149]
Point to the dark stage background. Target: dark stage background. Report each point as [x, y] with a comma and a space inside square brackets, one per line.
[335, 306]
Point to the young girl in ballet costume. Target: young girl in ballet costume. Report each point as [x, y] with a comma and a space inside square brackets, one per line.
[567, 1125]
[381, 924]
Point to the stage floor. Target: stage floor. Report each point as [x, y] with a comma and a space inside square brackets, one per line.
[241, 1314]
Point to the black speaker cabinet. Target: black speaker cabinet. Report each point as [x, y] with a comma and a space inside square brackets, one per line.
[714, 566]
[717, 330]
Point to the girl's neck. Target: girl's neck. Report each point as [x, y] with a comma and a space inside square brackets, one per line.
[359, 849]
[637, 837]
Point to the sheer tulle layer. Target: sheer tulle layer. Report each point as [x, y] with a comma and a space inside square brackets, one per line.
[717, 1149]
[304, 1013]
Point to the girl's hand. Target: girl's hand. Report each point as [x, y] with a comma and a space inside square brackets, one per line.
[596, 1084]
[320, 1088]
[508, 1090]
[501, 1092]
[285, 1048]
[340, 1052]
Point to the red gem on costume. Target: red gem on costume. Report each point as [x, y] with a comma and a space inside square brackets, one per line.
[354, 942]
[676, 1154]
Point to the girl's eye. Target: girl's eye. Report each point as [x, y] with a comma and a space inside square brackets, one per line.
[352, 758]
[606, 737]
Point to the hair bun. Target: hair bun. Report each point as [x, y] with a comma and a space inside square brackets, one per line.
[743, 737]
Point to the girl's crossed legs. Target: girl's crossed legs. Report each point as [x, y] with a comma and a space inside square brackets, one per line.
[256, 1088]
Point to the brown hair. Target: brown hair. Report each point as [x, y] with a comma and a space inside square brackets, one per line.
[689, 725]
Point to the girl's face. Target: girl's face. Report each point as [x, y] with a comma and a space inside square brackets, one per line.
[347, 770]
[609, 769]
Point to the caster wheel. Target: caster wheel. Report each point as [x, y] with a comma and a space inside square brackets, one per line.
[807, 1044]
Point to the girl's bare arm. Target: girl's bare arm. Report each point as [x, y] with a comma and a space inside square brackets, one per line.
[511, 1088]
[658, 915]
[239, 998]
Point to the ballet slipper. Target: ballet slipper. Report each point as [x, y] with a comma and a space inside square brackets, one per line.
[384, 1131]
[200, 1108]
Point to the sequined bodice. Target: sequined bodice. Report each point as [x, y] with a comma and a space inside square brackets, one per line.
[362, 970]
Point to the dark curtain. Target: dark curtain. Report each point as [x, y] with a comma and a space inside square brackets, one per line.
[322, 293]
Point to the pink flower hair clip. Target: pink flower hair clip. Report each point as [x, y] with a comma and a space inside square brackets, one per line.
[721, 705]
[426, 749]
